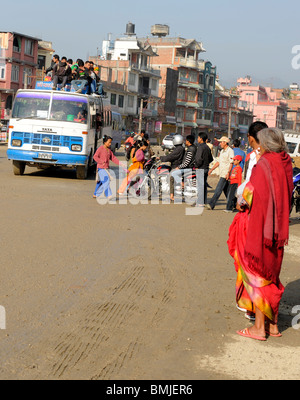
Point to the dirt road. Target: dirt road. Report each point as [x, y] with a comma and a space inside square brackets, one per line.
[126, 292]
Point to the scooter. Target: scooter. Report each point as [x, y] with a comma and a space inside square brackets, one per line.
[296, 191]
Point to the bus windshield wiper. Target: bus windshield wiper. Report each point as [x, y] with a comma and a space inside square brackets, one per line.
[30, 117]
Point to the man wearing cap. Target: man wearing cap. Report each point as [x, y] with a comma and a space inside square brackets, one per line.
[235, 180]
[225, 165]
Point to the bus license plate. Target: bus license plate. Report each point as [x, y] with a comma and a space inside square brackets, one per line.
[45, 156]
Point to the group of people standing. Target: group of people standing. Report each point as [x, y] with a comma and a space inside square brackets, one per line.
[103, 155]
[260, 229]
[63, 71]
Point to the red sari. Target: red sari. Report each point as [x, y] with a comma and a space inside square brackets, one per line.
[257, 236]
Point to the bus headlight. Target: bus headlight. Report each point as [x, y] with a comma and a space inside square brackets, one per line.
[76, 147]
[16, 142]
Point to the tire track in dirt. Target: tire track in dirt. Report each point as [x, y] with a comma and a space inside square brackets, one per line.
[111, 334]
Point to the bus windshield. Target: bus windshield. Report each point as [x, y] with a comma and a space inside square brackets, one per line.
[51, 106]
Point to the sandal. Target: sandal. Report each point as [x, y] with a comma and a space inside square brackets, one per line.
[246, 333]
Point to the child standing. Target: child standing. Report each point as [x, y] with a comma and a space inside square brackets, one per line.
[235, 181]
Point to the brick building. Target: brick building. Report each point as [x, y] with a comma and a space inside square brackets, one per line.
[266, 106]
[196, 82]
[18, 60]
[130, 81]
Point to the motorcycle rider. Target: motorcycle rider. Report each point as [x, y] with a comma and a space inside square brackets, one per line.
[187, 163]
[175, 158]
[129, 143]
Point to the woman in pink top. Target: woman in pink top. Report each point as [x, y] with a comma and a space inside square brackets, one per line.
[102, 157]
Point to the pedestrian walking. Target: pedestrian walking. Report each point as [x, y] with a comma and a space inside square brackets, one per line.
[224, 164]
[135, 168]
[235, 180]
[239, 152]
[203, 159]
[259, 233]
[102, 157]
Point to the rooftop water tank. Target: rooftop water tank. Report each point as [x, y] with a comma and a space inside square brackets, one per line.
[160, 30]
[130, 29]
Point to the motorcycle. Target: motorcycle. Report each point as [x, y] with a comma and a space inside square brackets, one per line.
[296, 191]
[156, 179]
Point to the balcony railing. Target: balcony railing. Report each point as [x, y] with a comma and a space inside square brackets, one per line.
[145, 68]
[145, 91]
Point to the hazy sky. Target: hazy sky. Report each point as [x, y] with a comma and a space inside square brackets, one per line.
[241, 38]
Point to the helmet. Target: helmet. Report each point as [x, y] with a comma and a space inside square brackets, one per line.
[178, 140]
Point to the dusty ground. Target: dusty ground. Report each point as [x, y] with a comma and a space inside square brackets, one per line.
[126, 292]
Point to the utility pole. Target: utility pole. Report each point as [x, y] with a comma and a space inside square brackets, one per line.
[229, 118]
[141, 116]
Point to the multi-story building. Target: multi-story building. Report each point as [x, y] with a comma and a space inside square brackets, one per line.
[125, 69]
[196, 82]
[45, 53]
[232, 117]
[265, 105]
[18, 65]
[291, 96]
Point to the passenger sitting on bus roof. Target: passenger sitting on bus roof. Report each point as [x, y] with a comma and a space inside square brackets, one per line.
[61, 72]
[93, 72]
[84, 74]
[55, 60]
[70, 64]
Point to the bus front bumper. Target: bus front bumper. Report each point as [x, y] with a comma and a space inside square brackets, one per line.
[55, 159]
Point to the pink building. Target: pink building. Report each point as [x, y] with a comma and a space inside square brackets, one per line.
[18, 59]
[264, 103]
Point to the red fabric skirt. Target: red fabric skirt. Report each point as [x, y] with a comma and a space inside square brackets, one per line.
[253, 289]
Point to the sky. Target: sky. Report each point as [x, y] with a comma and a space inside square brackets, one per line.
[257, 38]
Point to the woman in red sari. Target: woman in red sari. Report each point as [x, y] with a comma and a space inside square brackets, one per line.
[259, 233]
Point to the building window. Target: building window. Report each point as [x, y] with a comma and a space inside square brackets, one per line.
[17, 45]
[121, 101]
[154, 84]
[29, 47]
[41, 62]
[181, 94]
[225, 103]
[201, 79]
[29, 75]
[200, 114]
[190, 115]
[130, 101]
[182, 74]
[2, 71]
[193, 76]
[15, 73]
[131, 79]
[113, 99]
[191, 95]
[207, 115]
[220, 103]
[180, 113]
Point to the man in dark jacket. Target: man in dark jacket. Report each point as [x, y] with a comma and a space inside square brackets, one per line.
[61, 72]
[202, 160]
[176, 156]
[187, 163]
[54, 61]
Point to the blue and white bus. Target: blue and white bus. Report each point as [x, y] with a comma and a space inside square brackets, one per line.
[54, 128]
